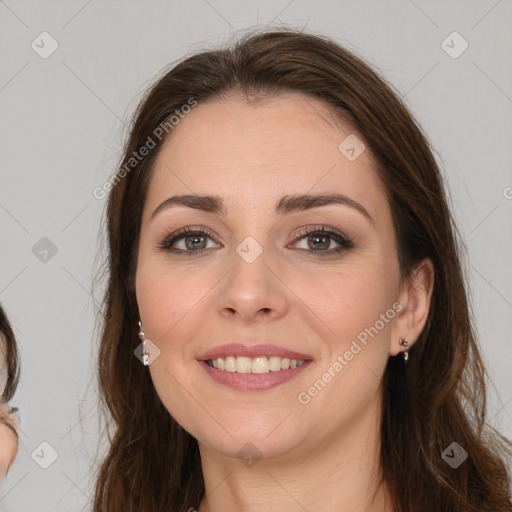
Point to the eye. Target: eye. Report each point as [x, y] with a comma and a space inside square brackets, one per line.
[318, 241]
[187, 240]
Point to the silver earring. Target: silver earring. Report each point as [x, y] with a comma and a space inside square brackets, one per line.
[404, 343]
[145, 355]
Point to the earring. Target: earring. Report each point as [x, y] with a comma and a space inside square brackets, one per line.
[145, 355]
[404, 343]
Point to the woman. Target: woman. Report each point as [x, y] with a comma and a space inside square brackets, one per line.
[280, 241]
[10, 375]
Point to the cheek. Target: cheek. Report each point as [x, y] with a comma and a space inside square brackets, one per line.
[166, 300]
[348, 299]
[164, 296]
[8, 447]
[176, 309]
[355, 305]
[152, 302]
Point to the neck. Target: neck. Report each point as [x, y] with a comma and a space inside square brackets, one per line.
[340, 473]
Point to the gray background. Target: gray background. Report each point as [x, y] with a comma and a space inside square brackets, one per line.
[62, 121]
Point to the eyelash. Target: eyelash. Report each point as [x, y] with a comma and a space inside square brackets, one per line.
[342, 240]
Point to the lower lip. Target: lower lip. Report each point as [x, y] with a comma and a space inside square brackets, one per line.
[252, 381]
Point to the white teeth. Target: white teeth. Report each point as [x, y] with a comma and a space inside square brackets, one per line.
[243, 365]
[230, 364]
[275, 363]
[262, 364]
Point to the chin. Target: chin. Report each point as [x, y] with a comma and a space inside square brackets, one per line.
[250, 440]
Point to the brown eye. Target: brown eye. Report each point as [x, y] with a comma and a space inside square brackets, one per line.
[186, 241]
[195, 242]
[319, 241]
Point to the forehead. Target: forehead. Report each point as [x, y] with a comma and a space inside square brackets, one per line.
[250, 152]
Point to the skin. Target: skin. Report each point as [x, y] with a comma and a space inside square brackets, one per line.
[8, 439]
[9, 426]
[323, 455]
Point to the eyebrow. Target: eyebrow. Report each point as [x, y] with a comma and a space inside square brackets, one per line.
[287, 204]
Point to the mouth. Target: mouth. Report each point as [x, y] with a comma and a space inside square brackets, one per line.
[256, 365]
[253, 368]
[253, 374]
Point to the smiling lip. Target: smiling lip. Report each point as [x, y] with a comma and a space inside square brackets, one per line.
[262, 349]
[252, 381]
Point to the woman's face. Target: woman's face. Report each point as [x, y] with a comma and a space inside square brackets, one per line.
[256, 277]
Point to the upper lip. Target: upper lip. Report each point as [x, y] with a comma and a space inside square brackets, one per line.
[256, 350]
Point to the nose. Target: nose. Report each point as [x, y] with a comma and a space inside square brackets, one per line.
[253, 291]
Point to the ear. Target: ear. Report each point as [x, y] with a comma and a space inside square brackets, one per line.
[415, 296]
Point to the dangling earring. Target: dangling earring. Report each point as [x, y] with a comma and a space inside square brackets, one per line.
[145, 355]
[404, 343]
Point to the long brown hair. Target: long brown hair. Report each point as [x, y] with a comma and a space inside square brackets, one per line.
[152, 463]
